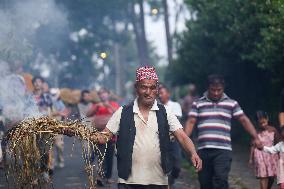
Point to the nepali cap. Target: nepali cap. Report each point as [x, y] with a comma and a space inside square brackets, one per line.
[146, 72]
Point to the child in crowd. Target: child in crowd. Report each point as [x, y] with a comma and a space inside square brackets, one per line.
[264, 163]
[278, 148]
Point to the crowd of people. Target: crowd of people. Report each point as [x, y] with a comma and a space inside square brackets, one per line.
[150, 135]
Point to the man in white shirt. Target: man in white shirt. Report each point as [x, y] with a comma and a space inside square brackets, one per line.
[175, 108]
[143, 147]
[143, 129]
[165, 99]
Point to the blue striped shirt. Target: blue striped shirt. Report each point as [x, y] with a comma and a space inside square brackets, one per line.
[214, 121]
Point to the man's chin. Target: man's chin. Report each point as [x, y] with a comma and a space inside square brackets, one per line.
[149, 102]
[216, 99]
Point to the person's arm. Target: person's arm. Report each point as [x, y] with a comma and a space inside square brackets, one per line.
[281, 114]
[192, 119]
[246, 123]
[102, 137]
[251, 155]
[111, 128]
[93, 110]
[112, 107]
[188, 146]
[183, 139]
[281, 119]
[189, 125]
[97, 137]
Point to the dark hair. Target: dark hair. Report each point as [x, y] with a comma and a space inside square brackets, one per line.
[163, 86]
[37, 77]
[44, 81]
[103, 90]
[82, 94]
[84, 91]
[260, 115]
[216, 79]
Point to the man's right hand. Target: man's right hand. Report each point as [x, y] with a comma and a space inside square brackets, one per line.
[196, 161]
[68, 132]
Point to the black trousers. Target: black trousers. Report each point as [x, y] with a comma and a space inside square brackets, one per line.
[107, 165]
[216, 168]
[175, 155]
[137, 186]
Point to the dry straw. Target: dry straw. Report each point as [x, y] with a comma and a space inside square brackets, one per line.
[32, 139]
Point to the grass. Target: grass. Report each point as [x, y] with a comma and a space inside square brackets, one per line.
[188, 166]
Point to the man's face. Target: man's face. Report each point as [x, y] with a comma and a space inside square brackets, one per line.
[215, 92]
[263, 122]
[45, 87]
[164, 95]
[104, 96]
[38, 84]
[147, 91]
[87, 97]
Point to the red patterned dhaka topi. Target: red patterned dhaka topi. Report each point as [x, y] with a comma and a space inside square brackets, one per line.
[146, 72]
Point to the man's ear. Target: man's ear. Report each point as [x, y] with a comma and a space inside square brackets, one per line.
[135, 88]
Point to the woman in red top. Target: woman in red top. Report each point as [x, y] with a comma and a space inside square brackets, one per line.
[101, 113]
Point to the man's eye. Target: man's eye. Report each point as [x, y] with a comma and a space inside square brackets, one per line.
[153, 88]
[143, 87]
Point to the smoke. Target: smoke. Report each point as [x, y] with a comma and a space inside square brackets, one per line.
[15, 102]
[27, 28]
[24, 24]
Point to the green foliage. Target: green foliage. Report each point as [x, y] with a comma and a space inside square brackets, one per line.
[108, 23]
[67, 37]
[243, 40]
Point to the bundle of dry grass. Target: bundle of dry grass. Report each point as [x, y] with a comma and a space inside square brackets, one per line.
[31, 138]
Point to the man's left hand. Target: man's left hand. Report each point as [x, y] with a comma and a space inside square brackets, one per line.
[196, 161]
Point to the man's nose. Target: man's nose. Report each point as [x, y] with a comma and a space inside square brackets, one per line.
[148, 90]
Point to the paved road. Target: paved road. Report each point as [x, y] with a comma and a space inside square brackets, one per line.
[73, 176]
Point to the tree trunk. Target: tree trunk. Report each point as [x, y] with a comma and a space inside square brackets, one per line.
[140, 34]
[168, 34]
[143, 34]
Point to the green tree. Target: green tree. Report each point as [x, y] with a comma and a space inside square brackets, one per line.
[243, 40]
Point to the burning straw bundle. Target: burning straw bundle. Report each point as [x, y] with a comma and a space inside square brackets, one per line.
[32, 138]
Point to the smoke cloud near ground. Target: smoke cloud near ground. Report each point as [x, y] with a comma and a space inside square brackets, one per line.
[15, 102]
[27, 28]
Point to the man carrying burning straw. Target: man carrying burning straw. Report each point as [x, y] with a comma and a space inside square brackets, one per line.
[143, 129]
